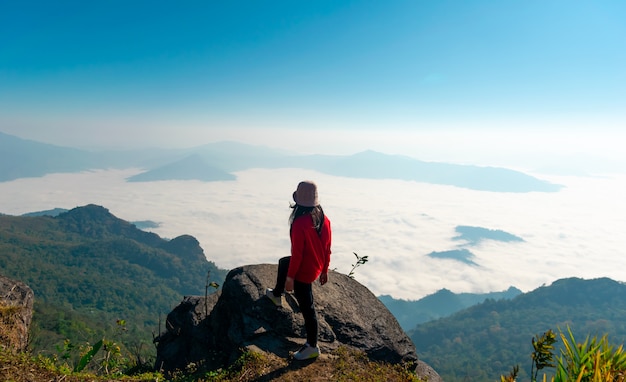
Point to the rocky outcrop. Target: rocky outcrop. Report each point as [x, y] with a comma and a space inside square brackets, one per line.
[186, 247]
[241, 317]
[16, 312]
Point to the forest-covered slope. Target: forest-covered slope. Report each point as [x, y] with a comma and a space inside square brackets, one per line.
[485, 341]
[89, 269]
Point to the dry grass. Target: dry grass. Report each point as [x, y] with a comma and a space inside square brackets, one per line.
[18, 367]
[341, 366]
[9, 331]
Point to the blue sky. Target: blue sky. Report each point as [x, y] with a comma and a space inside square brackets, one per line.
[351, 74]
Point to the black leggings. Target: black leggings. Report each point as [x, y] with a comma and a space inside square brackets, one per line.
[304, 296]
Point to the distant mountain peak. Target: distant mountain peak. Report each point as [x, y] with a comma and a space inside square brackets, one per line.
[89, 211]
[191, 167]
[97, 222]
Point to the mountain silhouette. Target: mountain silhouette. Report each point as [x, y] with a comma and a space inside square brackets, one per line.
[216, 161]
[439, 304]
[193, 167]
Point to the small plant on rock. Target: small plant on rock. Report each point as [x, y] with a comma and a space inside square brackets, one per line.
[360, 260]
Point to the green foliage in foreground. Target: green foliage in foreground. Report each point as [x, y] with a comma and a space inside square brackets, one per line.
[105, 357]
[343, 365]
[590, 361]
[593, 360]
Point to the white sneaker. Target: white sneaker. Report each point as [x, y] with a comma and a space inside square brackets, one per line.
[278, 301]
[307, 352]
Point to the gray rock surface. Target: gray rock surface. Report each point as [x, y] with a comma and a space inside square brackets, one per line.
[16, 300]
[241, 317]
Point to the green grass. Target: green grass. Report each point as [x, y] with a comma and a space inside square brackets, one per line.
[342, 365]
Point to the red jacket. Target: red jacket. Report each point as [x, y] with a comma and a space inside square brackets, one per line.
[310, 252]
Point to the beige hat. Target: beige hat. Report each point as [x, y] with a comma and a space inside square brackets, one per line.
[306, 194]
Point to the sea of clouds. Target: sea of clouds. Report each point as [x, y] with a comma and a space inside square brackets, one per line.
[578, 231]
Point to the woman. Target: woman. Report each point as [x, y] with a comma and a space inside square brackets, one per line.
[310, 257]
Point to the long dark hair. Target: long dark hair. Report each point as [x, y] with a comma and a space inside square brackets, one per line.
[317, 213]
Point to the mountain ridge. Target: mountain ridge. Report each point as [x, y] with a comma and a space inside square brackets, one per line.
[193, 167]
[494, 336]
[439, 304]
[89, 268]
[21, 158]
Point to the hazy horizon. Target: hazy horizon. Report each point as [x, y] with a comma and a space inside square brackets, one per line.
[523, 153]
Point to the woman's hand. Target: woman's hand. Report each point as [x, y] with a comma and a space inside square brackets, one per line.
[289, 284]
[323, 278]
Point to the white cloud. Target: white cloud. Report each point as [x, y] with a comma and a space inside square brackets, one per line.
[576, 232]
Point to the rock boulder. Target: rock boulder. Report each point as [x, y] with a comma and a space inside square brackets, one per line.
[241, 317]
